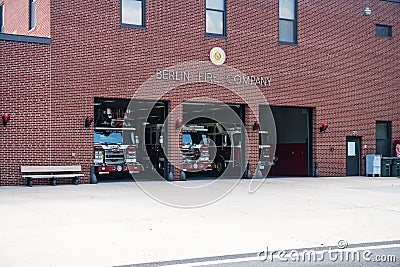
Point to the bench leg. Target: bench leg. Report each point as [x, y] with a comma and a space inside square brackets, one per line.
[53, 181]
[76, 180]
[30, 182]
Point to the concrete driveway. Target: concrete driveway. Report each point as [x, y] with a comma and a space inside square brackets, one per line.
[121, 223]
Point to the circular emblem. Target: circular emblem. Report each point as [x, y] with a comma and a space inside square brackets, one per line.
[217, 56]
[119, 168]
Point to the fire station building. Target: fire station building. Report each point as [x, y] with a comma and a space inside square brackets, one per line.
[324, 76]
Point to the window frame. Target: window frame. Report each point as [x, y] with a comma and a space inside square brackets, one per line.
[32, 15]
[2, 18]
[295, 22]
[390, 31]
[223, 35]
[128, 25]
[382, 144]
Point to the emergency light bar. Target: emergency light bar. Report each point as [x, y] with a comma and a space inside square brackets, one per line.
[194, 128]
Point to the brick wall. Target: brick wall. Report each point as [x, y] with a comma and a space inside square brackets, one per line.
[16, 17]
[25, 96]
[339, 67]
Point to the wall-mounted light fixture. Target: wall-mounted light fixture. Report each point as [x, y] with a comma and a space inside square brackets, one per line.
[367, 11]
[323, 127]
[5, 118]
[179, 123]
[256, 126]
[88, 121]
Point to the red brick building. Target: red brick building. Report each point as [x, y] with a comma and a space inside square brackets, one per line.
[330, 62]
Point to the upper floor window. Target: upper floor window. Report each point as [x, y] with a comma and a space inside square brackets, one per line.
[288, 21]
[133, 13]
[216, 17]
[32, 14]
[383, 30]
[384, 138]
[1, 18]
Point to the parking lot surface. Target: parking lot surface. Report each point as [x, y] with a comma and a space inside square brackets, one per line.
[122, 223]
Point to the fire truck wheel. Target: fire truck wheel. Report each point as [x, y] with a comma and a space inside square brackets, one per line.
[219, 166]
[154, 162]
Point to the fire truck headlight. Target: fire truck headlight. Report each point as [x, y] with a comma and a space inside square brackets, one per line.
[98, 155]
[205, 154]
[131, 155]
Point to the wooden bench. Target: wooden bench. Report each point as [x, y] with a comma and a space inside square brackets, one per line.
[51, 172]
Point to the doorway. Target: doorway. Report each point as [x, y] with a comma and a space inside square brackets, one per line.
[353, 156]
[294, 141]
[225, 134]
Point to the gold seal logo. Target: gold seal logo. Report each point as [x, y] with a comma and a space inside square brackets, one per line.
[217, 56]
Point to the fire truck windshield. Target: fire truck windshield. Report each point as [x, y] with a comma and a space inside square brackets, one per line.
[194, 138]
[107, 138]
[112, 137]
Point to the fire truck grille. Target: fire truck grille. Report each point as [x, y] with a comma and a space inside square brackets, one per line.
[114, 157]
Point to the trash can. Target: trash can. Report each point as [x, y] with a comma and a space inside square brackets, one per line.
[386, 166]
[396, 167]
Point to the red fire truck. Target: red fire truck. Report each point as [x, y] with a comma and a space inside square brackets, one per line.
[195, 148]
[227, 144]
[115, 142]
[115, 150]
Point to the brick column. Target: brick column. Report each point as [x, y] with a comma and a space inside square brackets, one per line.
[174, 137]
[253, 136]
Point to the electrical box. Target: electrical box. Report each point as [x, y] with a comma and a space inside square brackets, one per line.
[373, 164]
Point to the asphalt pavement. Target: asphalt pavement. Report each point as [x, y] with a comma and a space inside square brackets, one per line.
[159, 222]
[377, 254]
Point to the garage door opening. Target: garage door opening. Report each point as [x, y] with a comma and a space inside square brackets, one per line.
[127, 138]
[294, 141]
[222, 126]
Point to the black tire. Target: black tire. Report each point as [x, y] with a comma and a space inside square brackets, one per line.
[219, 166]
